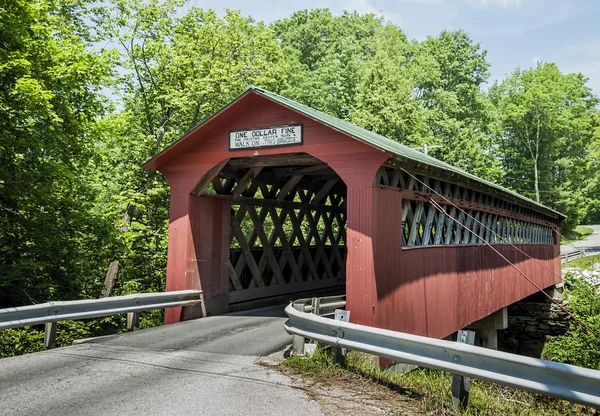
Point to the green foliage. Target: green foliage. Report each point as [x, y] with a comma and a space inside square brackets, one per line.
[51, 243]
[579, 233]
[548, 121]
[431, 388]
[579, 346]
[18, 341]
[583, 263]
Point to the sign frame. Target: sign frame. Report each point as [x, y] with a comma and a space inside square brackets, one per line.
[266, 147]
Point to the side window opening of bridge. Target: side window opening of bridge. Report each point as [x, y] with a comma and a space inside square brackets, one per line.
[487, 217]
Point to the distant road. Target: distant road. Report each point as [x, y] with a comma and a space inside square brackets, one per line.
[591, 244]
[203, 367]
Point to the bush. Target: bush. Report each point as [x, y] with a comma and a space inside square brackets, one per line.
[579, 346]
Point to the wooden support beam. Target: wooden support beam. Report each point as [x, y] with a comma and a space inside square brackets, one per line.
[466, 205]
[246, 179]
[266, 246]
[288, 159]
[289, 185]
[275, 203]
[208, 177]
[288, 256]
[322, 193]
[303, 244]
[247, 252]
[310, 170]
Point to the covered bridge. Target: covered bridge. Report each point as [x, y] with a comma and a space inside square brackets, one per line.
[273, 200]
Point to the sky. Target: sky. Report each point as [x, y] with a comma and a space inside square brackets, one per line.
[515, 33]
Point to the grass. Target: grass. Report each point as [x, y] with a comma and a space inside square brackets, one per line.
[579, 233]
[431, 388]
[583, 263]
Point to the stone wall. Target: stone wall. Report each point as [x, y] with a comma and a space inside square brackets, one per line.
[531, 322]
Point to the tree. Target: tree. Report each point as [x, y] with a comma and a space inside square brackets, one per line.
[430, 93]
[324, 55]
[548, 119]
[51, 242]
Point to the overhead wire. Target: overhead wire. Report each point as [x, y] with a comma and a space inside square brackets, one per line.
[443, 211]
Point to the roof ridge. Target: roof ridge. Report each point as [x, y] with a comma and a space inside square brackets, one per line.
[388, 144]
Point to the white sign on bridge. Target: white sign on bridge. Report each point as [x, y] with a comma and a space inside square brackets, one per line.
[269, 137]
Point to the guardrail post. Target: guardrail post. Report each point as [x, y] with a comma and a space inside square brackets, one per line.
[298, 340]
[339, 354]
[50, 335]
[133, 321]
[316, 306]
[461, 384]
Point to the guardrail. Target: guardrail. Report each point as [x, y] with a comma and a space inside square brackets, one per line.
[576, 384]
[52, 312]
[321, 306]
[567, 257]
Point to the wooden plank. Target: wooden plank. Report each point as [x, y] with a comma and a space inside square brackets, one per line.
[313, 233]
[266, 246]
[110, 279]
[396, 177]
[288, 159]
[426, 197]
[428, 227]
[468, 226]
[310, 170]
[477, 229]
[208, 177]
[243, 183]
[289, 185]
[328, 221]
[247, 252]
[234, 278]
[289, 255]
[461, 218]
[303, 245]
[241, 200]
[414, 237]
[322, 193]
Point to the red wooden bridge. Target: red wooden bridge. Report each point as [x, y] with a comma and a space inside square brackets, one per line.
[273, 200]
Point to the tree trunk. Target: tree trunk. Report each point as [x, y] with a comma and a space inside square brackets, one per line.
[536, 179]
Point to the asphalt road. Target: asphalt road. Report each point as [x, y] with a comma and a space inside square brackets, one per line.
[203, 367]
[590, 245]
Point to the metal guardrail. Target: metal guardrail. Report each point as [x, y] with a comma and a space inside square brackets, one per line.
[576, 384]
[52, 312]
[326, 305]
[567, 257]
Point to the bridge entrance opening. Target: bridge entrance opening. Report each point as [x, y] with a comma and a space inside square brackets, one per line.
[287, 227]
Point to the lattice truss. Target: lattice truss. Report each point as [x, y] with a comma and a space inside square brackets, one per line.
[494, 220]
[288, 223]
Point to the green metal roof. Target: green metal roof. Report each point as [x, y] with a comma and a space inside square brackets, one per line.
[386, 144]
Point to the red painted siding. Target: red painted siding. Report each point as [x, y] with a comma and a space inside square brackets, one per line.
[435, 291]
